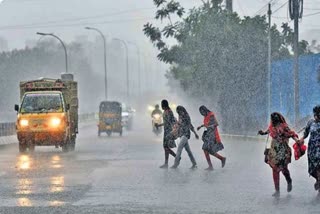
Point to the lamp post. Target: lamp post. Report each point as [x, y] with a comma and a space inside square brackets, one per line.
[63, 45]
[127, 64]
[105, 59]
[139, 66]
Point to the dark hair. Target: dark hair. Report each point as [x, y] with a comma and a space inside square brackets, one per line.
[181, 110]
[164, 104]
[204, 110]
[277, 118]
[316, 110]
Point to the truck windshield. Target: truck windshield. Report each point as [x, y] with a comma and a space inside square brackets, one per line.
[42, 103]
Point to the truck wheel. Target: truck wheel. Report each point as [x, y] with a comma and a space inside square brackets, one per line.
[22, 148]
[31, 147]
[65, 147]
[72, 146]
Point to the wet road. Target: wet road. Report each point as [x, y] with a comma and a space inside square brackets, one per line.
[122, 175]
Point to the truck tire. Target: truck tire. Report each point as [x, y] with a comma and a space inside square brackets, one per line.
[66, 147]
[72, 145]
[31, 147]
[22, 147]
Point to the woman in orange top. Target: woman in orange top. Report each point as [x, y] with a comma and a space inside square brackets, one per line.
[211, 139]
[279, 155]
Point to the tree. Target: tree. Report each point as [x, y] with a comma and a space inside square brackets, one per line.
[222, 57]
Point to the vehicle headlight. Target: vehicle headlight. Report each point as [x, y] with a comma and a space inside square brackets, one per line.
[125, 114]
[150, 108]
[24, 122]
[173, 106]
[157, 116]
[55, 122]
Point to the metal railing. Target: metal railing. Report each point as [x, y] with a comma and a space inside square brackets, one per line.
[7, 129]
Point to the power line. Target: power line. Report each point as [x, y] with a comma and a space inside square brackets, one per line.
[308, 8]
[280, 7]
[311, 14]
[77, 24]
[265, 7]
[75, 19]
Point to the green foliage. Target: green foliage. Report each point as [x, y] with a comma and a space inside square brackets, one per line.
[222, 57]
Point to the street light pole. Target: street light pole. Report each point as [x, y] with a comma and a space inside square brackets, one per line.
[63, 45]
[105, 60]
[139, 67]
[296, 12]
[127, 64]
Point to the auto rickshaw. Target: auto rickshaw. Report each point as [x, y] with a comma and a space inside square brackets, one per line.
[110, 118]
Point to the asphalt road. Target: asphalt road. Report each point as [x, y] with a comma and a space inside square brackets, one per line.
[122, 175]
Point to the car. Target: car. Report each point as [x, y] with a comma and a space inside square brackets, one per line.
[127, 116]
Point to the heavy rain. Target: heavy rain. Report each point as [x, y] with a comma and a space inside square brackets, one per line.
[159, 106]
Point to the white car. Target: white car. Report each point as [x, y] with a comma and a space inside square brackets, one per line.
[127, 116]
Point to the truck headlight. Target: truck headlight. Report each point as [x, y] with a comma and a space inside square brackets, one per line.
[24, 122]
[55, 122]
[150, 108]
[157, 116]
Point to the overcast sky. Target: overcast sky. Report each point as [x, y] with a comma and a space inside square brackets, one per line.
[20, 19]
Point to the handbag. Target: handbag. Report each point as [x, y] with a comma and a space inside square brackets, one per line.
[266, 151]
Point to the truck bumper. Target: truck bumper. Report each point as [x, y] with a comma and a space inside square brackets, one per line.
[42, 138]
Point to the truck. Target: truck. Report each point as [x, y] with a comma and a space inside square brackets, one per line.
[48, 113]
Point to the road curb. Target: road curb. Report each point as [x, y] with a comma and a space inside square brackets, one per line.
[249, 137]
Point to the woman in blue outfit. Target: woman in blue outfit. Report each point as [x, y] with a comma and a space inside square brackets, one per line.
[313, 128]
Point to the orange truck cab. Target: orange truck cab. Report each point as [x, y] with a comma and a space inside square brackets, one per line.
[48, 113]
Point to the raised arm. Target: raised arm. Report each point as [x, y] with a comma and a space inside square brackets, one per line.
[306, 132]
[194, 131]
[199, 127]
[261, 132]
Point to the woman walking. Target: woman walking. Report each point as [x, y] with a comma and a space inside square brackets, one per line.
[279, 155]
[182, 129]
[168, 142]
[313, 128]
[211, 139]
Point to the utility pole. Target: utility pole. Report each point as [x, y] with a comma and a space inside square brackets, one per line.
[296, 11]
[269, 63]
[229, 5]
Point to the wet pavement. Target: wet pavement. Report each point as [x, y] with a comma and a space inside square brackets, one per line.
[121, 175]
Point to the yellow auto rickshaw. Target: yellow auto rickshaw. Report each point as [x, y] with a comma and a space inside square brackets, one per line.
[110, 118]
